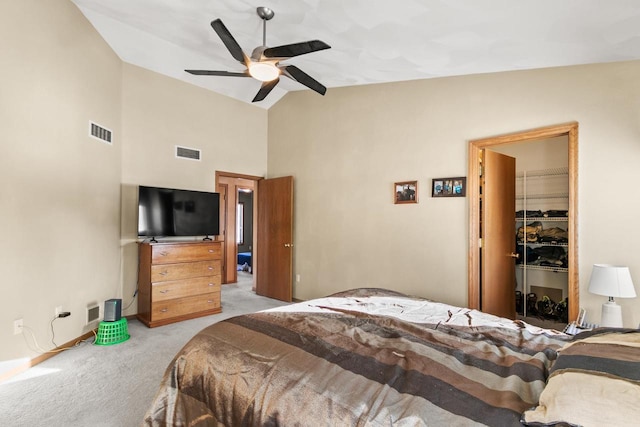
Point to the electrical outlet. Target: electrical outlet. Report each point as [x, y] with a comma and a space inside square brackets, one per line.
[297, 278]
[17, 326]
[58, 310]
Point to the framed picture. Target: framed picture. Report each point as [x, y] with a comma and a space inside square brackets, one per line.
[449, 187]
[405, 192]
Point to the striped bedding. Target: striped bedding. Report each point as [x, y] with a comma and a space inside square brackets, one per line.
[595, 381]
[363, 357]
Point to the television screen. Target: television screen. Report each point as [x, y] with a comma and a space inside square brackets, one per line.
[164, 212]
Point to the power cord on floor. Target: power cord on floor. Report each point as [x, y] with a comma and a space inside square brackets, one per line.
[53, 333]
[40, 350]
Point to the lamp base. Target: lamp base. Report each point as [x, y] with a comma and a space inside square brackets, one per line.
[611, 315]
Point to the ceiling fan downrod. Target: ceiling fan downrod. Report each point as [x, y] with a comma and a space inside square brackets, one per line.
[265, 14]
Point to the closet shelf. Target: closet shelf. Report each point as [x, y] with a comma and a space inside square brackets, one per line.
[543, 268]
[543, 196]
[543, 173]
[539, 244]
[544, 218]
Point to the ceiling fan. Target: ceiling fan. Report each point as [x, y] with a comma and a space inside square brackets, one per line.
[264, 63]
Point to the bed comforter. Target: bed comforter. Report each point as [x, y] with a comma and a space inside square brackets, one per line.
[363, 357]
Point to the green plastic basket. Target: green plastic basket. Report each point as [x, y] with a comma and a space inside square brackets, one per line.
[110, 333]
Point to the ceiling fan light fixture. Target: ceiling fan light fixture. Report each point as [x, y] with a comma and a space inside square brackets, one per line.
[263, 71]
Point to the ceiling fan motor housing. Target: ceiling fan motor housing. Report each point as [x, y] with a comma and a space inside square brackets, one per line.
[256, 55]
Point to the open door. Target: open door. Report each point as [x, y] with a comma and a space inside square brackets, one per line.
[274, 258]
[497, 279]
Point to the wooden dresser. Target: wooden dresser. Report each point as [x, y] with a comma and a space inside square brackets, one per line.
[178, 281]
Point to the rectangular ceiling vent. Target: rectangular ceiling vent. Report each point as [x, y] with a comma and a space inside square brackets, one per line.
[99, 132]
[187, 153]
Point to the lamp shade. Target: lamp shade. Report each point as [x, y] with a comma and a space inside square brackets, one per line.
[611, 281]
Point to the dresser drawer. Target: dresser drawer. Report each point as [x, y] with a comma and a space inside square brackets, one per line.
[168, 254]
[162, 291]
[185, 306]
[186, 270]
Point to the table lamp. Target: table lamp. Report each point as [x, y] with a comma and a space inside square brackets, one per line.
[611, 281]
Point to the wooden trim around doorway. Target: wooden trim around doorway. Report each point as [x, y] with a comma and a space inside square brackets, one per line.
[473, 183]
[233, 181]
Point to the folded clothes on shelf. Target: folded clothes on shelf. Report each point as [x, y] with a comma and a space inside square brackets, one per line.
[529, 214]
[551, 213]
[555, 213]
[536, 233]
[553, 235]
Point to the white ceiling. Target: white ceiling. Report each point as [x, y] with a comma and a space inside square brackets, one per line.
[372, 41]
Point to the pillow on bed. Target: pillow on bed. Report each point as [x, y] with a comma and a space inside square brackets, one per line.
[595, 381]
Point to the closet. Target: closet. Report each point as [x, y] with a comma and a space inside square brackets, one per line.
[543, 148]
[541, 230]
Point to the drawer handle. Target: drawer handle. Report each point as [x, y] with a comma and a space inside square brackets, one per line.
[210, 268]
[210, 301]
[164, 273]
[164, 253]
[164, 292]
[210, 284]
[164, 310]
[210, 251]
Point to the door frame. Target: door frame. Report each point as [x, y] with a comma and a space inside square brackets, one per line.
[233, 181]
[570, 130]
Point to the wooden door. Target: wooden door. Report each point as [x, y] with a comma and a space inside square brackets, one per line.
[497, 282]
[274, 260]
[222, 189]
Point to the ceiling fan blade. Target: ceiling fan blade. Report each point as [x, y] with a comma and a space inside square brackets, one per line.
[228, 40]
[218, 73]
[295, 49]
[265, 89]
[300, 76]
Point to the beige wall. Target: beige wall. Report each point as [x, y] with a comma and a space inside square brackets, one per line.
[68, 202]
[59, 188]
[538, 154]
[158, 114]
[345, 151]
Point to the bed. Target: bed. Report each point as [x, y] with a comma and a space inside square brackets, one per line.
[378, 357]
[244, 258]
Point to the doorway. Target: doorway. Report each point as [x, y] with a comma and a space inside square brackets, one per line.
[233, 188]
[570, 130]
[244, 230]
[272, 236]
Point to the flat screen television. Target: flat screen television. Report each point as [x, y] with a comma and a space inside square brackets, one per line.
[168, 212]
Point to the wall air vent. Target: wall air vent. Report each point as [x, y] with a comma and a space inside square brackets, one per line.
[188, 153]
[99, 132]
[93, 313]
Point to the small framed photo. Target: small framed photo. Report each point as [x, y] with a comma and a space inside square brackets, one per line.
[405, 192]
[449, 187]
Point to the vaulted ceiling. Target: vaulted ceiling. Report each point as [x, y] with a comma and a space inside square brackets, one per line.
[372, 41]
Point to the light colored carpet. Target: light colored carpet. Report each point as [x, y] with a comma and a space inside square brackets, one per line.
[111, 385]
